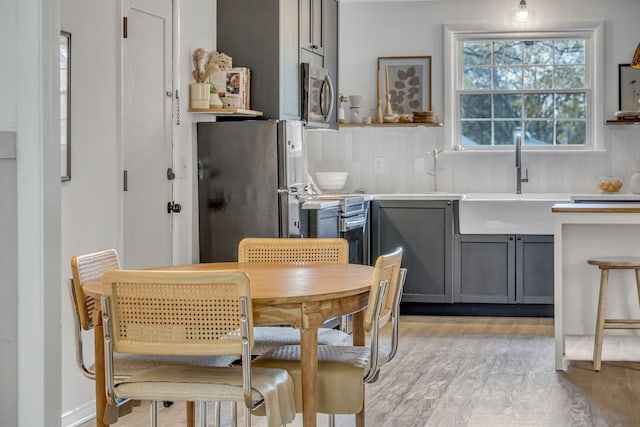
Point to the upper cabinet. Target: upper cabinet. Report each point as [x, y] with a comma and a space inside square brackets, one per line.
[272, 38]
[312, 30]
[263, 35]
[319, 43]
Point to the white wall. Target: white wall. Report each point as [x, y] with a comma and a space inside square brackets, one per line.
[92, 200]
[416, 28]
[29, 104]
[8, 221]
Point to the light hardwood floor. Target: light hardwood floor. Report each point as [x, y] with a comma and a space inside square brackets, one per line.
[478, 371]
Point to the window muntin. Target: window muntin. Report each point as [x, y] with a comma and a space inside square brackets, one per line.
[535, 87]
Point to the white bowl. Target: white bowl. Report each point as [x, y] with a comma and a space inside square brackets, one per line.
[332, 180]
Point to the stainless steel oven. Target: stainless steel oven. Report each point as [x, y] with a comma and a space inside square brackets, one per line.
[353, 226]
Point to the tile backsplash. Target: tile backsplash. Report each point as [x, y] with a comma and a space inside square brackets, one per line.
[408, 165]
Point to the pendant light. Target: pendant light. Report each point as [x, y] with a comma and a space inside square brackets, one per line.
[635, 62]
[522, 12]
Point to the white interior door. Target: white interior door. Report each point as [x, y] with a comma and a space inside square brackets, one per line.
[148, 137]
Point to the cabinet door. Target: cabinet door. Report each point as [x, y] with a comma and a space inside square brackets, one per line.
[330, 52]
[322, 223]
[424, 229]
[486, 269]
[312, 29]
[534, 269]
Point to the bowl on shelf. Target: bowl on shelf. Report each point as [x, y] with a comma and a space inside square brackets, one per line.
[332, 180]
[610, 184]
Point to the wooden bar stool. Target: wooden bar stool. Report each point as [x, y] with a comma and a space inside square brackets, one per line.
[605, 264]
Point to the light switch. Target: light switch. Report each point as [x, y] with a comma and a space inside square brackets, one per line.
[378, 165]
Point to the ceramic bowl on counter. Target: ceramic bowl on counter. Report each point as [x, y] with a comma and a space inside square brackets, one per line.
[331, 180]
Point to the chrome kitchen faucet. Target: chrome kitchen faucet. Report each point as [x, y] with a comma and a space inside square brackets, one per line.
[519, 179]
[434, 174]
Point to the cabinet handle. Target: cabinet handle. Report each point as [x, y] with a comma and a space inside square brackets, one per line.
[519, 237]
[511, 238]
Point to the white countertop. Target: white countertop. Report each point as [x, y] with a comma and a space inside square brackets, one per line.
[324, 200]
[319, 204]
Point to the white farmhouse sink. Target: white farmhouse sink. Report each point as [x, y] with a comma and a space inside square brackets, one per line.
[507, 213]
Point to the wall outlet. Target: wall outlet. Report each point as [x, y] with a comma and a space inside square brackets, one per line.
[378, 165]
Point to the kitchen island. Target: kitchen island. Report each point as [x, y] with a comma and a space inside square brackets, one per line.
[583, 231]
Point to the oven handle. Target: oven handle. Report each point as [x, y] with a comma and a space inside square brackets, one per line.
[348, 224]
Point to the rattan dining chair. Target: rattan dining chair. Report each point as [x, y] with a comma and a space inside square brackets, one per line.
[294, 251]
[92, 266]
[343, 370]
[189, 313]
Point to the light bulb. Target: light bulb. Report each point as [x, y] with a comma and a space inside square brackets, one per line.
[522, 12]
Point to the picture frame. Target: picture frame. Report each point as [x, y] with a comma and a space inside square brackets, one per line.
[628, 88]
[409, 79]
[65, 105]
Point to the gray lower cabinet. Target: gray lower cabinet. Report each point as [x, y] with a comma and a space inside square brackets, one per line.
[504, 269]
[534, 269]
[424, 229]
[321, 222]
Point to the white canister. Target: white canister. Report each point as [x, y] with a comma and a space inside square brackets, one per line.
[634, 183]
[356, 116]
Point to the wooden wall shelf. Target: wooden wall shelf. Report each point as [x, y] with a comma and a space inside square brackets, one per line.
[622, 122]
[388, 125]
[226, 112]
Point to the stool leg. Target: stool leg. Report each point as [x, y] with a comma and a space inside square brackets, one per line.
[638, 283]
[602, 308]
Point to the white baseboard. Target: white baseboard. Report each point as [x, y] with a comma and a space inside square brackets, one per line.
[80, 415]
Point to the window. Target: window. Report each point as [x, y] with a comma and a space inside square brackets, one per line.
[539, 87]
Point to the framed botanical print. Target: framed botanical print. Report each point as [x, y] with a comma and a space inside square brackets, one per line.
[406, 81]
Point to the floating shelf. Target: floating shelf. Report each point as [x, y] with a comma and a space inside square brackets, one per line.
[226, 112]
[622, 122]
[388, 125]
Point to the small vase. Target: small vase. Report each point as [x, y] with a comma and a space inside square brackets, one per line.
[215, 101]
[341, 115]
[200, 95]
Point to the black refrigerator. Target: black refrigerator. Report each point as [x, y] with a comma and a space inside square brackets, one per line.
[252, 176]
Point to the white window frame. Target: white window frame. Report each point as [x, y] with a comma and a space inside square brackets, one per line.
[455, 35]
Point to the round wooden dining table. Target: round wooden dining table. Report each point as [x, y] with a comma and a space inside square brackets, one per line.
[303, 296]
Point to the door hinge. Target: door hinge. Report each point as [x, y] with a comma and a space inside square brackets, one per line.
[125, 28]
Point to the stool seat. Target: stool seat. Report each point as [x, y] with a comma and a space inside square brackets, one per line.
[605, 264]
[616, 262]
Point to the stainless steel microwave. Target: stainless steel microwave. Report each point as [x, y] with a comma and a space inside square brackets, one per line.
[318, 96]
